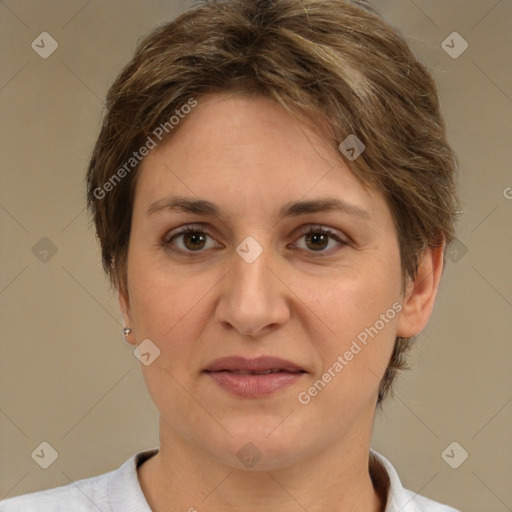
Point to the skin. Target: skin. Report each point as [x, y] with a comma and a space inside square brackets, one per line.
[250, 158]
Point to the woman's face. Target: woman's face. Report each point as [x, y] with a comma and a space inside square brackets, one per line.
[249, 281]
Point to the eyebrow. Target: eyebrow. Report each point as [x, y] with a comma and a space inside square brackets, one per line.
[291, 209]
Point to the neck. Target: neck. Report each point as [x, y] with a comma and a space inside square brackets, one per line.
[182, 478]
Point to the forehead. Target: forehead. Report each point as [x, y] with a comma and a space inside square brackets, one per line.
[235, 149]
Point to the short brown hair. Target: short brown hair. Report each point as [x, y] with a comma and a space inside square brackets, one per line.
[331, 58]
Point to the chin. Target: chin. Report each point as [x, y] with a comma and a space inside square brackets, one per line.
[258, 448]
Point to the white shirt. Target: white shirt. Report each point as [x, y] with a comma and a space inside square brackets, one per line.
[120, 491]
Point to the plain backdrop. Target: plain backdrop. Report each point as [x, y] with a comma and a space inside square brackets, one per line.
[68, 378]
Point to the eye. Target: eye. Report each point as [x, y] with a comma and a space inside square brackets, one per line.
[193, 240]
[318, 239]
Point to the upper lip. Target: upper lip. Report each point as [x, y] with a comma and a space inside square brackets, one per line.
[259, 364]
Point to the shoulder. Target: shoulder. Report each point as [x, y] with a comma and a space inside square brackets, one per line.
[423, 504]
[117, 490]
[399, 499]
[88, 494]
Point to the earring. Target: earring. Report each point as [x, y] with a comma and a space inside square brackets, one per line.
[126, 331]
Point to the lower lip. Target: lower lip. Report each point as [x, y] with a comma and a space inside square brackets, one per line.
[255, 386]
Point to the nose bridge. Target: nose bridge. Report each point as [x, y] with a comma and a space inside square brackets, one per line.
[251, 299]
[251, 276]
[251, 265]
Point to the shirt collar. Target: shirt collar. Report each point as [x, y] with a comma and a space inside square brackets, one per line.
[125, 492]
[385, 477]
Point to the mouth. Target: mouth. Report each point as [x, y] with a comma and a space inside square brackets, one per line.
[254, 378]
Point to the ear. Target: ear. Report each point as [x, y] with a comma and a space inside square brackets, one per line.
[124, 306]
[421, 293]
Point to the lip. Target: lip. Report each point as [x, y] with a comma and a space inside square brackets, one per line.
[259, 364]
[232, 375]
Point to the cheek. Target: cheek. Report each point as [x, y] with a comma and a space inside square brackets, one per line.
[356, 301]
[353, 363]
[168, 313]
[171, 309]
[171, 318]
[360, 313]
[160, 296]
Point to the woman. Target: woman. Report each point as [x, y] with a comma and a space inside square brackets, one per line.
[273, 193]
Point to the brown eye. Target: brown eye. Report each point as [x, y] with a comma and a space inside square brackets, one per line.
[190, 239]
[194, 241]
[318, 239]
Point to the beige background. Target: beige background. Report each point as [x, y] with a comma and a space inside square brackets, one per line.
[68, 378]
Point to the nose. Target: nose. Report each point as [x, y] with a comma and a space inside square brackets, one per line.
[253, 297]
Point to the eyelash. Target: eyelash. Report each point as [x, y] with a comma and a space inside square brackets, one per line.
[167, 242]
